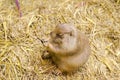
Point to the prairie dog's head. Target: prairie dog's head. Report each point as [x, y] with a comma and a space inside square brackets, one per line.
[63, 35]
[63, 29]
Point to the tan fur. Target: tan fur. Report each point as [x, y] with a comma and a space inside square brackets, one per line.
[68, 47]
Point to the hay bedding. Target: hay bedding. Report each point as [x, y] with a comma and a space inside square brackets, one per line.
[21, 48]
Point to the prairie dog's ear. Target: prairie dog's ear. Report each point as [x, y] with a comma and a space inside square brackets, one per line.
[51, 33]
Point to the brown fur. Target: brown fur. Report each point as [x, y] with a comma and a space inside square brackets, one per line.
[68, 47]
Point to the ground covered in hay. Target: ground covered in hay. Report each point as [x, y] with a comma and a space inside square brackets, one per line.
[20, 38]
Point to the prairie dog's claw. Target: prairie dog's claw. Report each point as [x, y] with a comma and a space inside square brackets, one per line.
[45, 55]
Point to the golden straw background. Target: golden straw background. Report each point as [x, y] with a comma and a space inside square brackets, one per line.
[21, 48]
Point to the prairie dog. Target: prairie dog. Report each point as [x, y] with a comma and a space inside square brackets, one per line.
[68, 47]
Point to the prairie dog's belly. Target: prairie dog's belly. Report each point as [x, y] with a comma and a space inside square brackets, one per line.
[71, 63]
[68, 47]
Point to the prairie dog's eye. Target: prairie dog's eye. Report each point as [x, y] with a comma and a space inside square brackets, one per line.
[71, 34]
[60, 35]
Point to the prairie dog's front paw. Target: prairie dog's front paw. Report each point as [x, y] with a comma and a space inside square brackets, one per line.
[45, 55]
